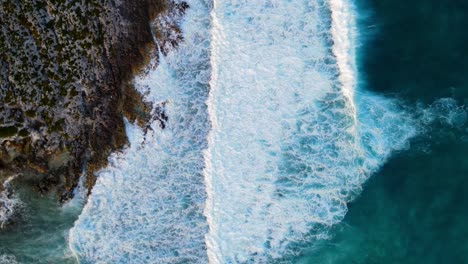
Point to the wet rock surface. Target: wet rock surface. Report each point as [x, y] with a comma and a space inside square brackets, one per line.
[65, 83]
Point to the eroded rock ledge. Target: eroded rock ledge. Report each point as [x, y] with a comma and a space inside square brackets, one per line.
[65, 72]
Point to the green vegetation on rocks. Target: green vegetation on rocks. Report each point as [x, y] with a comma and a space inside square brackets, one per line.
[65, 67]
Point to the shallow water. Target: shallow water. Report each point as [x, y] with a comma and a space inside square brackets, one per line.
[40, 235]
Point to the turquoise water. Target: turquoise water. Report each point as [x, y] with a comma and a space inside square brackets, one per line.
[269, 101]
[415, 209]
[40, 235]
[411, 211]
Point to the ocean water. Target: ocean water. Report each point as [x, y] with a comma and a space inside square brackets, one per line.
[414, 209]
[147, 206]
[40, 234]
[148, 203]
[267, 140]
[289, 146]
[284, 132]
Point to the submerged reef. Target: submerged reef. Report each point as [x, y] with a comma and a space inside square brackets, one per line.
[66, 68]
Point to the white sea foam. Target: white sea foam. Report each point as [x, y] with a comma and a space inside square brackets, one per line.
[9, 202]
[445, 111]
[291, 141]
[7, 259]
[79, 197]
[288, 148]
[344, 35]
[147, 205]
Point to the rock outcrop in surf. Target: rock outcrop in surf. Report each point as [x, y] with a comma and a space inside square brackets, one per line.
[65, 68]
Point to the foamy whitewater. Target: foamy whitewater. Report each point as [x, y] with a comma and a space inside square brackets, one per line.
[288, 148]
[9, 201]
[147, 206]
[266, 141]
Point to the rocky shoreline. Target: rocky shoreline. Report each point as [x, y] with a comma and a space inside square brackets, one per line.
[65, 84]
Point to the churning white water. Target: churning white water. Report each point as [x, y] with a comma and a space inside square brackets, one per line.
[147, 205]
[266, 140]
[285, 153]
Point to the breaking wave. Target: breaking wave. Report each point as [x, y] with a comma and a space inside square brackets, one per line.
[147, 205]
[258, 142]
[10, 203]
[289, 145]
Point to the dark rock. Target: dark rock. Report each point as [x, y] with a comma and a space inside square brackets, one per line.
[65, 72]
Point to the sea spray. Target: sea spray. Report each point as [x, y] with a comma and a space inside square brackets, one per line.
[289, 146]
[147, 205]
[263, 130]
[10, 203]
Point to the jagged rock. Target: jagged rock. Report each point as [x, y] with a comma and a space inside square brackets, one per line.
[65, 68]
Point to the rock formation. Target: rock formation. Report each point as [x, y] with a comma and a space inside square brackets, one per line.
[65, 83]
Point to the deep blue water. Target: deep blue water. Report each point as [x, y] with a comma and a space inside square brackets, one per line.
[415, 209]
